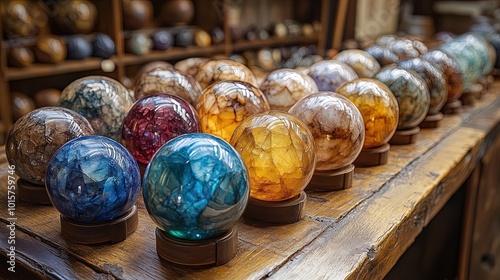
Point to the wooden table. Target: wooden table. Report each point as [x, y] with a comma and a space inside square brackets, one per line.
[358, 233]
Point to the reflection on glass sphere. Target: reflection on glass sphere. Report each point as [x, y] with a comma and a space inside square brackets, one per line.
[224, 70]
[330, 74]
[365, 65]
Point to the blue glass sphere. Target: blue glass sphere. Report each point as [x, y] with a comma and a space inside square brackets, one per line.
[196, 187]
[92, 179]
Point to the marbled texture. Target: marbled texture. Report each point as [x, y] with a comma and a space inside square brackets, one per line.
[411, 93]
[103, 101]
[196, 187]
[377, 105]
[451, 71]
[190, 66]
[278, 150]
[383, 55]
[155, 119]
[330, 74]
[284, 87]
[224, 70]
[365, 65]
[336, 125]
[35, 137]
[225, 104]
[92, 179]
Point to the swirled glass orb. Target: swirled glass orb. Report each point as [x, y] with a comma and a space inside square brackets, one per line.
[35, 137]
[434, 79]
[155, 119]
[150, 67]
[404, 48]
[224, 70]
[283, 87]
[196, 187]
[225, 104]
[330, 74]
[365, 65]
[92, 179]
[451, 70]
[190, 66]
[336, 125]
[278, 150]
[411, 92]
[104, 102]
[168, 81]
[377, 105]
[383, 55]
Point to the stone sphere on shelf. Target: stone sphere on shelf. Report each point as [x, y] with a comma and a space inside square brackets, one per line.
[278, 150]
[78, 47]
[224, 70]
[377, 105]
[21, 104]
[35, 137]
[330, 74]
[336, 125]
[434, 79]
[76, 16]
[137, 14]
[411, 93]
[177, 12]
[162, 40]
[168, 81]
[451, 71]
[47, 97]
[196, 187]
[103, 46]
[225, 104]
[365, 65]
[139, 43]
[103, 101]
[284, 87]
[383, 55]
[20, 57]
[19, 18]
[50, 49]
[92, 179]
[155, 119]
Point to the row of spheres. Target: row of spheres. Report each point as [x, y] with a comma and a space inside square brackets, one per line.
[210, 134]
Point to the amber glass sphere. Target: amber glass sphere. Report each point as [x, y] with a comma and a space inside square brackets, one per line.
[377, 105]
[50, 49]
[278, 150]
[284, 87]
[225, 104]
[365, 65]
[336, 125]
[224, 70]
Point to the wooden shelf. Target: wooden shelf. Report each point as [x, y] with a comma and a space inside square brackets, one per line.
[175, 53]
[275, 42]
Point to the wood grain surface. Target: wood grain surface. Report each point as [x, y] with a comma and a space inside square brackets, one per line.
[357, 233]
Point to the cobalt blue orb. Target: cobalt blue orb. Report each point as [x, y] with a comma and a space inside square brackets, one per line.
[92, 179]
[196, 187]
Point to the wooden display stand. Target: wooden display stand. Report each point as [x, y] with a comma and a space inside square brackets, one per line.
[373, 156]
[276, 212]
[332, 180]
[473, 94]
[202, 253]
[32, 193]
[112, 232]
[452, 107]
[405, 137]
[432, 121]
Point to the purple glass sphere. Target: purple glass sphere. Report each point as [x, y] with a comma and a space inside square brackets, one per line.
[155, 119]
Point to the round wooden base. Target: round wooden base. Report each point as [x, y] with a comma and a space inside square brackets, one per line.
[109, 232]
[432, 121]
[405, 137]
[452, 107]
[210, 252]
[373, 156]
[32, 193]
[276, 212]
[332, 180]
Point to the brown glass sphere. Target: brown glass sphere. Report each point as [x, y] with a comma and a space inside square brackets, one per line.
[365, 65]
[190, 66]
[451, 70]
[137, 13]
[224, 70]
[177, 12]
[76, 16]
[20, 57]
[50, 49]
[47, 97]
[17, 17]
[22, 104]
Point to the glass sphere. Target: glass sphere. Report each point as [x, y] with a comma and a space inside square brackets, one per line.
[168, 81]
[404, 48]
[190, 66]
[50, 49]
[224, 70]
[102, 100]
[377, 105]
[284, 87]
[92, 179]
[150, 67]
[330, 74]
[411, 92]
[434, 79]
[451, 70]
[196, 187]
[35, 137]
[365, 65]
[383, 55]
[336, 125]
[155, 119]
[225, 104]
[278, 150]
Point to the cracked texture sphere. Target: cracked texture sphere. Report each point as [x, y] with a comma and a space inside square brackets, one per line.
[365, 65]
[213, 71]
[330, 74]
